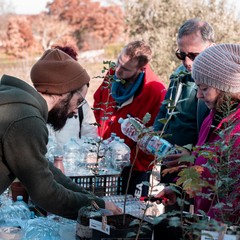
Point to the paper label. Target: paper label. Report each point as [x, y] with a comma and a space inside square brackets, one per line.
[210, 235]
[99, 226]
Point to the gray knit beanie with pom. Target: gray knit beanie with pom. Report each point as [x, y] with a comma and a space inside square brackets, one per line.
[219, 66]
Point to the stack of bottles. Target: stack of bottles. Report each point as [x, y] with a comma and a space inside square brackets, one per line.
[13, 213]
[133, 205]
[73, 157]
[90, 148]
[149, 143]
[17, 221]
[80, 154]
[118, 154]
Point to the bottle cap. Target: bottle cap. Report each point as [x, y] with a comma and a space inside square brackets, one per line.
[19, 198]
[120, 120]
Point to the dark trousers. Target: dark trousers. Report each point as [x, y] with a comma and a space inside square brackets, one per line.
[136, 187]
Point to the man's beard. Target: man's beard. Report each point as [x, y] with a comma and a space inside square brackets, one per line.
[131, 78]
[57, 117]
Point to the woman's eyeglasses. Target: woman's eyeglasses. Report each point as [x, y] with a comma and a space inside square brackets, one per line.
[183, 55]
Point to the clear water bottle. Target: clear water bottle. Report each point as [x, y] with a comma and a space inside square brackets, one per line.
[109, 152]
[102, 154]
[120, 154]
[159, 146]
[131, 127]
[108, 155]
[72, 156]
[150, 144]
[51, 148]
[21, 209]
[90, 148]
[111, 138]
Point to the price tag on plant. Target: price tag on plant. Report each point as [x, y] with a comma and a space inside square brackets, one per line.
[99, 226]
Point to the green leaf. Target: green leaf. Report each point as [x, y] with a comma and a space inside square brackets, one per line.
[146, 183]
[146, 227]
[135, 222]
[131, 235]
[174, 222]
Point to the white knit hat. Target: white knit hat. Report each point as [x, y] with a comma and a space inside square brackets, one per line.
[219, 67]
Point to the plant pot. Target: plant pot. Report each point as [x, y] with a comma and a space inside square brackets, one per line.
[83, 231]
[118, 230]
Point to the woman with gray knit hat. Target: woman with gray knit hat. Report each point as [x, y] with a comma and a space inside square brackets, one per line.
[216, 72]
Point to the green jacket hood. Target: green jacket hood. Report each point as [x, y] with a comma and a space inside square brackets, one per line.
[14, 90]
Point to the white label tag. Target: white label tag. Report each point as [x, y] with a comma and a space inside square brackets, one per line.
[209, 235]
[99, 226]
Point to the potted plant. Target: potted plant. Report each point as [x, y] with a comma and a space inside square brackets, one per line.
[220, 187]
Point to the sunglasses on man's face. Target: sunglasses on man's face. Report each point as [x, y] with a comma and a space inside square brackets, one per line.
[182, 55]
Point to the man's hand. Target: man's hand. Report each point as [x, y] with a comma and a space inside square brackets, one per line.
[169, 196]
[113, 208]
[172, 160]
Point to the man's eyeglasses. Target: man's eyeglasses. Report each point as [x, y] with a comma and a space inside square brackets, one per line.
[82, 101]
[183, 55]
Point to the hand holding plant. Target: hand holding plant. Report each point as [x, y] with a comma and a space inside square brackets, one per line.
[176, 159]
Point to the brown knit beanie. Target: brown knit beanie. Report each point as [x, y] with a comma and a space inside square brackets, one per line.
[57, 73]
[219, 67]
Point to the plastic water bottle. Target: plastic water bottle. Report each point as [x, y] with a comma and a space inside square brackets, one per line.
[111, 138]
[109, 152]
[102, 154]
[72, 158]
[108, 155]
[131, 127]
[21, 209]
[151, 144]
[51, 148]
[120, 154]
[90, 148]
[159, 146]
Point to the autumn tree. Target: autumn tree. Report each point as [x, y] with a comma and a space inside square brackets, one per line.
[157, 22]
[94, 25]
[19, 39]
[5, 13]
[49, 30]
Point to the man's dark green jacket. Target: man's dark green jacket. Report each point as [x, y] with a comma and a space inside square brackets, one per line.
[23, 140]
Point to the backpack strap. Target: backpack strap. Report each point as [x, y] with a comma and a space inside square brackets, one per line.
[80, 116]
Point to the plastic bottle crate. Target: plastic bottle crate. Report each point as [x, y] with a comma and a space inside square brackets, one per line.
[101, 185]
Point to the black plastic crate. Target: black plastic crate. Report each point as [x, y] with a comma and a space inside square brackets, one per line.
[101, 185]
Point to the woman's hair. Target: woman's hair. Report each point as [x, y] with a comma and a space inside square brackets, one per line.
[69, 50]
[225, 99]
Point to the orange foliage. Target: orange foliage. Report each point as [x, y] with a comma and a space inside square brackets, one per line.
[95, 25]
[19, 37]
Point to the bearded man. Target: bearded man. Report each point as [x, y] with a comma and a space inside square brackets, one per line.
[61, 85]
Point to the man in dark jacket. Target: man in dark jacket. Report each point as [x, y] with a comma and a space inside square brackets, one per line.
[183, 108]
[61, 87]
